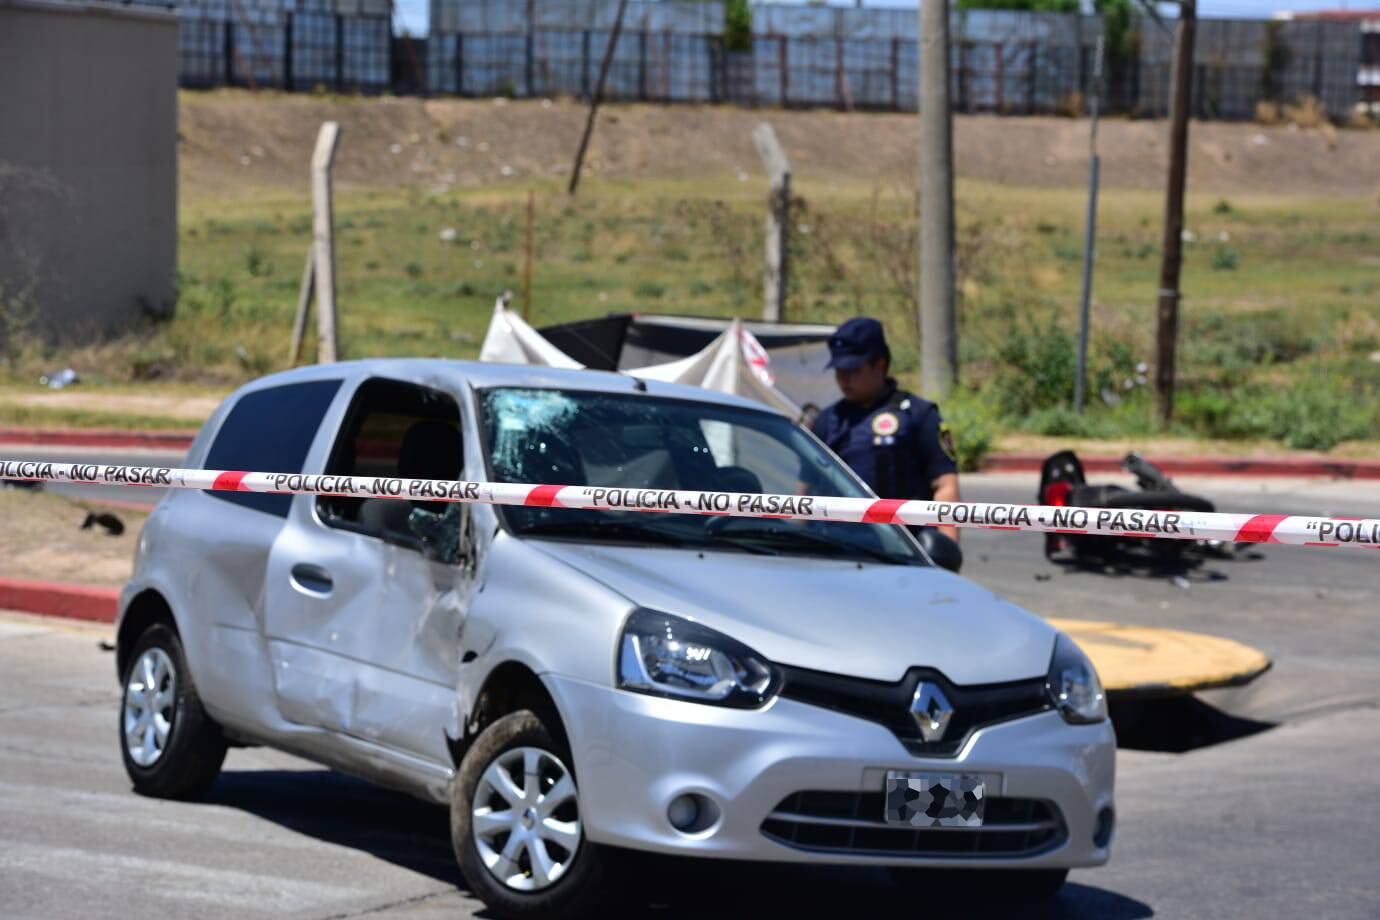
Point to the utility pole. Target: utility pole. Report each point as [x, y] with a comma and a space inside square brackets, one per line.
[597, 97]
[1171, 256]
[1080, 383]
[938, 335]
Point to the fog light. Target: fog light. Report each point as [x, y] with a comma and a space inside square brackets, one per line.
[1102, 831]
[693, 813]
[683, 813]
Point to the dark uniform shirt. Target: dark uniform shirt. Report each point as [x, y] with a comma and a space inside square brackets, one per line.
[899, 445]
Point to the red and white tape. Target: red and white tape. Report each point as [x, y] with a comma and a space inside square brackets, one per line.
[1358, 533]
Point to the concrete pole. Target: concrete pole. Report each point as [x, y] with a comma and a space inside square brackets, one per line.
[775, 271]
[323, 242]
[1171, 255]
[938, 329]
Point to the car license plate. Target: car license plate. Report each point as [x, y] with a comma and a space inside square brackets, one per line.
[935, 799]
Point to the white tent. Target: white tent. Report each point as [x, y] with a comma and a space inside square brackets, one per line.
[735, 362]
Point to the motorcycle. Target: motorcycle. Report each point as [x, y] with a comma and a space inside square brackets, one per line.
[1063, 483]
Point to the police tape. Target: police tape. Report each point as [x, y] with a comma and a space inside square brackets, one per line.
[1136, 523]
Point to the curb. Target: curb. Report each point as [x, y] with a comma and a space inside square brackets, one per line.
[56, 599]
[69, 437]
[1200, 466]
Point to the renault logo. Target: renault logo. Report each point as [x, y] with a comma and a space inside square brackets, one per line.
[931, 710]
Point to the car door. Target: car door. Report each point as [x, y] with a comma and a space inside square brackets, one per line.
[362, 612]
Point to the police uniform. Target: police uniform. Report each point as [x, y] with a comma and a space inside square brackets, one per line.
[899, 445]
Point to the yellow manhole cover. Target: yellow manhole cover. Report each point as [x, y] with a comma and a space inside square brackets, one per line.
[1147, 661]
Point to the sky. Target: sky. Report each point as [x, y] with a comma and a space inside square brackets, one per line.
[412, 15]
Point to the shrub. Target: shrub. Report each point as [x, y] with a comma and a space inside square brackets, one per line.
[971, 420]
[1225, 258]
[1036, 368]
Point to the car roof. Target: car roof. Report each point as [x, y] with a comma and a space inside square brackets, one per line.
[452, 374]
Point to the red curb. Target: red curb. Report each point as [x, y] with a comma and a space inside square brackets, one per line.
[55, 599]
[1201, 466]
[68, 437]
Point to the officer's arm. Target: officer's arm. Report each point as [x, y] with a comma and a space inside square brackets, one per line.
[941, 467]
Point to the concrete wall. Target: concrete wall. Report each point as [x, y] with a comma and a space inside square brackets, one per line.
[88, 167]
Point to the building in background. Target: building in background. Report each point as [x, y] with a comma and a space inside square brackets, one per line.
[88, 168]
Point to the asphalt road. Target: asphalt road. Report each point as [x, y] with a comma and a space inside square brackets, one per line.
[1281, 824]
[1284, 822]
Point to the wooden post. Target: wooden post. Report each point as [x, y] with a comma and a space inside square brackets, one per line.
[323, 241]
[299, 324]
[598, 93]
[527, 261]
[1171, 255]
[776, 275]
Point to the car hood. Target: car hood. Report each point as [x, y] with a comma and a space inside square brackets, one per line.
[861, 619]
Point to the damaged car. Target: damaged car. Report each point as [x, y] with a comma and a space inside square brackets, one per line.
[575, 684]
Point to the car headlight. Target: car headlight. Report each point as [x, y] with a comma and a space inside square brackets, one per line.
[668, 656]
[1073, 686]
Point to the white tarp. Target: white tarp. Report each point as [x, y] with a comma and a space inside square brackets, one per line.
[735, 362]
[510, 340]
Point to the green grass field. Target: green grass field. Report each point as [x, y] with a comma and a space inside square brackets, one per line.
[1280, 318]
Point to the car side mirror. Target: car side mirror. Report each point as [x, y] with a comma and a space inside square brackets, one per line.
[946, 553]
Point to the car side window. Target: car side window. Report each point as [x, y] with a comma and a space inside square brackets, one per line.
[395, 429]
[270, 431]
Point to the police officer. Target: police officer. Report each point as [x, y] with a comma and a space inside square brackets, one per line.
[894, 440]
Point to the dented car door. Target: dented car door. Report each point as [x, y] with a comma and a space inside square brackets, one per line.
[366, 596]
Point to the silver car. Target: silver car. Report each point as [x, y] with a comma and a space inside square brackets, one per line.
[575, 684]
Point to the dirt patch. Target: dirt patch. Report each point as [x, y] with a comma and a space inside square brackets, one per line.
[231, 139]
[42, 539]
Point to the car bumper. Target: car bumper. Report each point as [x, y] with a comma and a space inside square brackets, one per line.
[634, 754]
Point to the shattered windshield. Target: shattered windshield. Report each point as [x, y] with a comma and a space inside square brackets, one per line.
[618, 440]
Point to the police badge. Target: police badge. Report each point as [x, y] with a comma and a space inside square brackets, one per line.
[885, 423]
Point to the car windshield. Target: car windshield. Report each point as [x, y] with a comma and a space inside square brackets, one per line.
[617, 440]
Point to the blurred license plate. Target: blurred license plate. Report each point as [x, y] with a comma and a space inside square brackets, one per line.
[935, 799]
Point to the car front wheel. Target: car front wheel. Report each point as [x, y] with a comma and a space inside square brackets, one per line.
[516, 824]
[171, 747]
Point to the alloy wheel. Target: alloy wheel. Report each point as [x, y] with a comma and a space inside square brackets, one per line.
[525, 818]
[150, 701]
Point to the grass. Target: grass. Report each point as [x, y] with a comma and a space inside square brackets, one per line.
[1281, 295]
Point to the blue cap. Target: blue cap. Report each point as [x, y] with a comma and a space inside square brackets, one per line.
[856, 342]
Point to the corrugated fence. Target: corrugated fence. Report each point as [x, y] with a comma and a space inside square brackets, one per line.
[795, 55]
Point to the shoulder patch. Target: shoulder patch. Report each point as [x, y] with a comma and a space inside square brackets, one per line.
[885, 423]
[946, 442]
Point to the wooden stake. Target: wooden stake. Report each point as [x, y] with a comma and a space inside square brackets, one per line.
[299, 324]
[597, 97]
[527, 261]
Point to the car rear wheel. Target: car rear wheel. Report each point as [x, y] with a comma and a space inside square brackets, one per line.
[171, 747]
[516, 825]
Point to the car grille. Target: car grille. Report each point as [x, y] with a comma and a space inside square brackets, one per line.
[852, 823]
[888, 704]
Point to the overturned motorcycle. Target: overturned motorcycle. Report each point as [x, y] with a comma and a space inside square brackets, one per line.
[1064, 484]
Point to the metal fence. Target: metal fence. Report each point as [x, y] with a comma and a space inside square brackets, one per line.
[813, 56]
[795, 56]
[340, 45]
